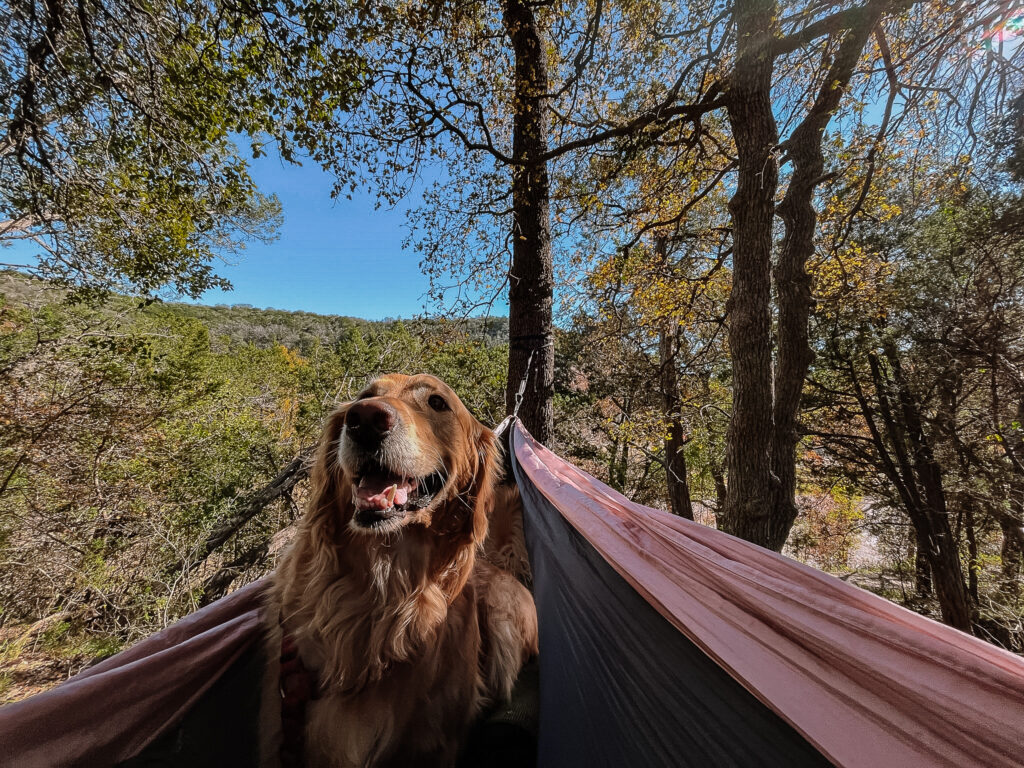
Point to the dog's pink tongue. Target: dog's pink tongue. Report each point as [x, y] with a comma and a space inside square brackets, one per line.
[381, 494]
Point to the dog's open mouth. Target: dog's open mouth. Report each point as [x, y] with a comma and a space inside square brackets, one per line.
[381, 494]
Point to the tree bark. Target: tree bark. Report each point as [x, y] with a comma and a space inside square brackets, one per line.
[1011, 556]
[934, 516]
[675, 440]
[791, 280]
[720, 493]
[917, 475]
[973, 563]
[763, 433]
[748, 441]
[922, 568]
[1011, 524]
[531, 355]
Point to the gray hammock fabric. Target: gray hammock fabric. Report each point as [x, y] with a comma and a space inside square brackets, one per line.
[663, 642]
[861, 680]
[621, 686]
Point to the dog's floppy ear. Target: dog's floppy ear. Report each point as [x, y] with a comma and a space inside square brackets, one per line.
[466, 514]
[326, 476]
[488, 471]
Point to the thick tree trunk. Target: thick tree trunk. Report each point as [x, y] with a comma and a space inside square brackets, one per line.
[675, 460]
[763, 432]
[751, 484]
[936, 544]
[947, 574]
[531, 356]
[793, 283]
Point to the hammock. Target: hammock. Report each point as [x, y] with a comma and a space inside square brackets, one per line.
[663, 643]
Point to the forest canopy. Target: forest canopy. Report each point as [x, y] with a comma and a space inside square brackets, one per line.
[763, 264]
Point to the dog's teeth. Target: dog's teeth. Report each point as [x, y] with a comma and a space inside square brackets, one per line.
[389, 493]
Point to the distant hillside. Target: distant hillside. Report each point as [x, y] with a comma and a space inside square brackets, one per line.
[248, 325]
[245, 324]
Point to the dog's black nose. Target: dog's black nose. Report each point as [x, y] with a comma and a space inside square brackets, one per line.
[369, 421]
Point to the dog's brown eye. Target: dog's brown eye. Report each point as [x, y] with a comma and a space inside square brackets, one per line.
[437, 403]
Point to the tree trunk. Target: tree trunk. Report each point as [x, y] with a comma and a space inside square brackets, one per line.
[918, 481]
[623, 475]
[531, 355]
[793, 284]
[748, 441]
[973, 563]
[948, 576]
[675, 459]
[720, 494]
[1011, 525]
[763, 433]
[613, 465]
[933, 517]
[922, 568]
[1011, 555]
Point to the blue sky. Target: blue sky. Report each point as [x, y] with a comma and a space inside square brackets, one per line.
[334, 257]
[340, 257]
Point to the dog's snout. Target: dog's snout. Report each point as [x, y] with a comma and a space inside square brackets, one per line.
[369, 421]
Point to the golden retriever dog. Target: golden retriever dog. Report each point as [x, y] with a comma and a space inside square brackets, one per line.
[405, 632]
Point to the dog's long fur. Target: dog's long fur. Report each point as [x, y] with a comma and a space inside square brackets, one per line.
[407, 632]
